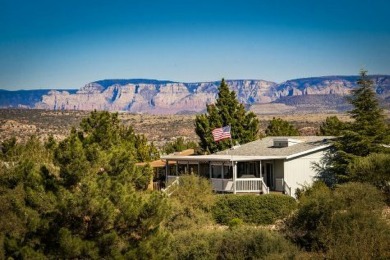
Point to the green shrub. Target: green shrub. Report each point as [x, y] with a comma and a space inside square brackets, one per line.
[344, 223]
[252, 209]
[235, 222]
[239, 243]
[191, 203]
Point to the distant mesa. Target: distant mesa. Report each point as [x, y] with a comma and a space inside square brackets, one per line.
[322, 94]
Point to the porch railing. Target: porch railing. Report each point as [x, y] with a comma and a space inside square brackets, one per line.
[172, 186]
[256, 185]
[264, 188]
[249, 185]
[286, 189]
[170, 179]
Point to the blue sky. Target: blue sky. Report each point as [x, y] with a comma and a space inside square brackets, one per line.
[66, 44]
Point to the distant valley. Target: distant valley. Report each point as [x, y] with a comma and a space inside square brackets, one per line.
[319, 94]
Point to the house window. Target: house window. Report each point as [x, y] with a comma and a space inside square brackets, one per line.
[182, 168]
[228, 172]
[216, 171]
[204, 169]
[171, 170]
[248, 169]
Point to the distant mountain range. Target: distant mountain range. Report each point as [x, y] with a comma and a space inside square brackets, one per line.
[169, 97]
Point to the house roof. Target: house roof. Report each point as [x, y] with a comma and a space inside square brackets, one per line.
[263, 149]
[265, 146]
[161, 163]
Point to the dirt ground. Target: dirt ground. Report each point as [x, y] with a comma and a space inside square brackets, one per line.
[159, 129]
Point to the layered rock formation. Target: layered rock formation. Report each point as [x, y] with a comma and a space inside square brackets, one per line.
[168, 97]
[153, 98]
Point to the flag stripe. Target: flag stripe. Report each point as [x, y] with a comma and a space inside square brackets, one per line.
[221, 133]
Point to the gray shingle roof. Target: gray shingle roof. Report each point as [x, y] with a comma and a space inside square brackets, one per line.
[265, 146]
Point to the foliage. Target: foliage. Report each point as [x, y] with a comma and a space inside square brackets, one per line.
[365, 135]
[235, 222]
[238, 243]
[252, 209]
[327, 172]
[280, 127]
[226, 111]
[178, 145]
[332, 126]
[103, 130]
[191, 203]
[104, 145]
[344, 223]
[369, 119]
[7, 146]
[81, 198]
[373, 169]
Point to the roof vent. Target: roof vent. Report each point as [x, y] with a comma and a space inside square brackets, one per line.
[285, 142]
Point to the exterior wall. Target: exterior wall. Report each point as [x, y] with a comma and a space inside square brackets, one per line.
[299, 171]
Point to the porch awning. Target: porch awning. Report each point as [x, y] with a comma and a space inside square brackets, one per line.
[219, 158]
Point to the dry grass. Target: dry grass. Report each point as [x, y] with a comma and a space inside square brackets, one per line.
[157, 128]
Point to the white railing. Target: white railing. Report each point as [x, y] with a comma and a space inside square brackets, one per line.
[170, 179]
[225, 185]
[286, 189]
[264, 187]
[248, 185]
[171, 187]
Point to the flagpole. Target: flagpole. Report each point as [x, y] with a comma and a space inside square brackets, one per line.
[231, 139]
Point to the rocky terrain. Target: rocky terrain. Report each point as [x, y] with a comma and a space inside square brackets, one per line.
[159, 129]
[320, 94]
[23, 123]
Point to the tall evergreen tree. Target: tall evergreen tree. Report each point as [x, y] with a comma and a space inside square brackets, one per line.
[365, 135]
[226, 111]
[332, 126]
[369, 119]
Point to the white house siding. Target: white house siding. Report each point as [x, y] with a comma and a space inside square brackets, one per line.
[299, 171]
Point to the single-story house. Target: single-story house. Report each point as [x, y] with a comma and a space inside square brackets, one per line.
[280, 164]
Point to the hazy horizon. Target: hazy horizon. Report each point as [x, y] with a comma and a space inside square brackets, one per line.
[66, 44]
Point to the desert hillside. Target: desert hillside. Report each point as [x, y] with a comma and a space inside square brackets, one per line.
[159, 129]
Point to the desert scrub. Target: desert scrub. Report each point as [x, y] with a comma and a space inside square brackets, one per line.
[252, 209]
[238, 243]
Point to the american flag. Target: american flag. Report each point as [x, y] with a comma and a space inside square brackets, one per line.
[221, 133]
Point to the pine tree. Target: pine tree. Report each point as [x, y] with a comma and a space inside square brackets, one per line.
[226, 111]
[280, 127]
[367, 134]
[332, 126]
[83, 198]
[179, 145]
[369, 119]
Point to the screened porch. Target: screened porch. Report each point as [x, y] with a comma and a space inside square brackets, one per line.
[225, 176]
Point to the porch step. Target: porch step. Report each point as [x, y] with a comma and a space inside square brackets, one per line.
[275, 192]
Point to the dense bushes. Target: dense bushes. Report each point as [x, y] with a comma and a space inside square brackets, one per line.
[344, 223]
[238, 243]
[373, 169]
[191, 203]
[82, 198]
[253, 209]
